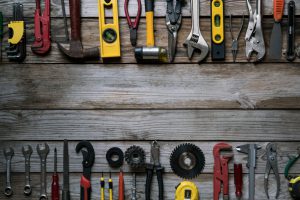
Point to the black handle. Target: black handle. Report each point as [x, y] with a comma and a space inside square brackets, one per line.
[149, 170]
[290, 56]
[159, 174]
[149, 5]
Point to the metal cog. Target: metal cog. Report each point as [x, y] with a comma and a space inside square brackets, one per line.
[187, 161]
[135, 156]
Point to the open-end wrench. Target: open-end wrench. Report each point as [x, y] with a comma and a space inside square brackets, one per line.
[195, 39]
[8, 153]
[43, 150]
[27, 151]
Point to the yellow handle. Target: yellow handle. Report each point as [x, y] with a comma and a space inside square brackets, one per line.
[217, 17]
[150, 28]
[18, 31]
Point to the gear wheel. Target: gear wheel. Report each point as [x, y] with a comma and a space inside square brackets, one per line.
[187, 161]
[135, 156]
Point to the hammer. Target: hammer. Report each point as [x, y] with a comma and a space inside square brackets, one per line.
[150, 52]
[76, 50]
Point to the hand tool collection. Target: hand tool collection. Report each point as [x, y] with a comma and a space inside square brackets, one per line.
[186, 160]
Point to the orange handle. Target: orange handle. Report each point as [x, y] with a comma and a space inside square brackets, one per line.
[278, 6]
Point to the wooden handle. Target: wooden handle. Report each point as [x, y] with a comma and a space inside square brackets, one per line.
[278, 6]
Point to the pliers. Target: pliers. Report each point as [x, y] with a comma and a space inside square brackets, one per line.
[173, 22]
[154, 165]
[271, 151]
[133, 26]
[235, 42]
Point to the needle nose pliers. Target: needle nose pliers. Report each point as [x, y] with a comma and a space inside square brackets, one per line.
[133, 26]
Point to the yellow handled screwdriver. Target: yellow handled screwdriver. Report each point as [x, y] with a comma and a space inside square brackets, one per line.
[102, 185]
[110, 184]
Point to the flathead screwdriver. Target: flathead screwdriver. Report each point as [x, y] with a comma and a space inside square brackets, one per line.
[55, 181]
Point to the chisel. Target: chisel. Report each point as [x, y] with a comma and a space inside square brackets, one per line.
[276, 35]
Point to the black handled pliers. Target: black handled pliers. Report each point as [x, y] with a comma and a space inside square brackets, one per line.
[133, 26]
[173, 22]
[150, 168]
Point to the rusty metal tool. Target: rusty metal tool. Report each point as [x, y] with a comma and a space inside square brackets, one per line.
[76, 50]
[221, 178]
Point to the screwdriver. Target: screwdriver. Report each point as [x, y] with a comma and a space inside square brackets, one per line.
[121, 185]
[1, 35]
[102, 185]
[55, 181]
[238, 180]
[110, 184]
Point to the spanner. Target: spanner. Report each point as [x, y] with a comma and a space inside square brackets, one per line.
[27, 151]
[8, 153]
[43, 150]
[195, 40]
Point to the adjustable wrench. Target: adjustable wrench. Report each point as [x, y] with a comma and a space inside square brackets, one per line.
[27, 151]
[195, 39]
[43, 150]
[8, 153]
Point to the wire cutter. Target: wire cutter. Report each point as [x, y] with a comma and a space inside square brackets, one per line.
[133, 26]
[42, 43]
[254, 35]
[154, 165]
[87, 163]
[235, 42]
[173, 22]
[271, 151]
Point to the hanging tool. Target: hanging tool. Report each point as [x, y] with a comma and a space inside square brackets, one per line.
[186, 190]
[27, 151]
[195, 40]
[8, 153]
[102, 187]
[238, 180]
[154, 165]
[150, 52]
[221, 179]
[110, 187]
[133, 187]
[272, 164]
[133, 26]
[63, 8]
[42, 42]
[109, 32]
[254, 35]
[251, 150]
[276, 35]
[217, 30]
[87, 164]
[121, 185]
[135, 156]
[1, 35]
[173, 22]
[115, 157]
[76, 50]
[187, 161]
[66, 181]
[43, 151]
[294, 181]
[290, 54]
[235, 40]
[16, 50]
[55, 179]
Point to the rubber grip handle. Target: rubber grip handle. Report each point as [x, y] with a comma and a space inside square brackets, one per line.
[238, 179]
[85, 189]
[149, 170]
[121, 186]
[278, 6]
[55, 187]
[149, 5]
[1, 25]
[159, 174]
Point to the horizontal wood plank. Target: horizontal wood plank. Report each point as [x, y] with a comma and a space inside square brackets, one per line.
[188, 125]
[203, 182]
[89, 8]
[119, 86]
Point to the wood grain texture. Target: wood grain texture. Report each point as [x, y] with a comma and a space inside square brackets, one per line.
[124, 125]
[217, 86]
[89, 8]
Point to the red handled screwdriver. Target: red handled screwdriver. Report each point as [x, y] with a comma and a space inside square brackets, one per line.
[121, 185]
[238, 180]
[55, 179]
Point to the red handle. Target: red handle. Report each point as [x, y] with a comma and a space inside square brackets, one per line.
[278, 6]
[238, 179]
[121, 186]
[55, 187]
[86, 188]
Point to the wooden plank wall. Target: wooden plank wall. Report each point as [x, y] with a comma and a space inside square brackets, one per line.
[121, 103]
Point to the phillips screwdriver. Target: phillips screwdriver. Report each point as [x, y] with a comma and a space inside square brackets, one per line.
[1, 35]
[55, 181]
[121, 185]
[110, 184]
[102, 185]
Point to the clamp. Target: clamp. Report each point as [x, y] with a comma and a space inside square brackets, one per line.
[133, 26]
[154, 165]
[42, 43]
[272, 163]
[294, 181]
[221, 170]
[87, 163]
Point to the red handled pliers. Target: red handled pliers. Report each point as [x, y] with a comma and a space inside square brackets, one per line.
[133, 26]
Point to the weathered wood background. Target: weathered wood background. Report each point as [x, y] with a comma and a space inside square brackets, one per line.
[122, 103]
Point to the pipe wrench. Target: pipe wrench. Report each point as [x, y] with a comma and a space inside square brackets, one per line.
[254, 35]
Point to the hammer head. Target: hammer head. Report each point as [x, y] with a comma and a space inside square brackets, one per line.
[151, 54]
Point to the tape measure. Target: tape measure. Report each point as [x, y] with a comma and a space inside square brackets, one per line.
[187, 190]
[217, 30]
[109, 32]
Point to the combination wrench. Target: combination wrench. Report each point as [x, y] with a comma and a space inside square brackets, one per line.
[27, 151]
[43, 150]
[8, 153]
